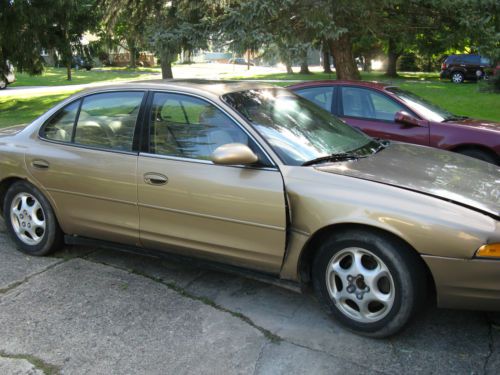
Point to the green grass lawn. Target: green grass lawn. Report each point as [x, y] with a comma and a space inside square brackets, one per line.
[465, 99]
[57, 76]
[25, 108]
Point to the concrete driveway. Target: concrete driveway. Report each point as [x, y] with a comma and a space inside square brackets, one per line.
[90, 311]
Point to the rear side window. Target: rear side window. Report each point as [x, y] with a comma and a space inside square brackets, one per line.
[60, 127]
[108, 120]
[321, 96]
[104, 120]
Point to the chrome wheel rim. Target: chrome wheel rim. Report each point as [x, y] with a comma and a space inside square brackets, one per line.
[28, 219]
[457, 78]
[3, 84]
[360, 285]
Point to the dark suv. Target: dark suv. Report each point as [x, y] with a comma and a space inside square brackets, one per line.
[464, 67]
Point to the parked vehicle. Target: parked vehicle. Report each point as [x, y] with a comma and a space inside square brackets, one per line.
[80, 62]
[388, 112]
[463, 67]
[240, 61]
[255, 176]
[7, 79]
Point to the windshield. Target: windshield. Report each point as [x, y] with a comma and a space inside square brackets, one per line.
[428, 110]
[296, 129]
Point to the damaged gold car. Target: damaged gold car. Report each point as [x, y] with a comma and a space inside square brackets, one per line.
[253, 176]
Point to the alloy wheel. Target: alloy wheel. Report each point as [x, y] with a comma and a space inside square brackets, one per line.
[360, 284]
[28, 219]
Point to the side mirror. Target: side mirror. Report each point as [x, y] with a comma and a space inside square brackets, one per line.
[234, 154]
[406, 119]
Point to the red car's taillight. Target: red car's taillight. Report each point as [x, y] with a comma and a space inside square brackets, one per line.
[443, 66]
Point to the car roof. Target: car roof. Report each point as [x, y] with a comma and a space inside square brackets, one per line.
[215, 87]
[369, 84]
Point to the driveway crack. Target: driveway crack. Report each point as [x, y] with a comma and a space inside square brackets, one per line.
[38, 363]
[183, 292]
[261, 352]
[15, 284]
[490, 346]
[342, 359]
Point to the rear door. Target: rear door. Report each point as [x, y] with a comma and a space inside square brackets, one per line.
[233, 214]
[86, 162]
[373, 112]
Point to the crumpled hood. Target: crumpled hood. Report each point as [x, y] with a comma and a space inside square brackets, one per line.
[442, 174]
[12, 130]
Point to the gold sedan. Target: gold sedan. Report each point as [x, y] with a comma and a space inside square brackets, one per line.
[253, 176]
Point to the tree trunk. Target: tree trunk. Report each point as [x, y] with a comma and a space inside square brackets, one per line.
[166, 66]
[304, 67]
[68, 70]
[345, 65]
[392, 59]
[367, 63]
[326, 60]
[133, 59]
[289, 69]
[248, 59]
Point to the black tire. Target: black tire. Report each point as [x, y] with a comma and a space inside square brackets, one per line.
[407, 280]
[35, 240]
[480, 154]
[457, 77]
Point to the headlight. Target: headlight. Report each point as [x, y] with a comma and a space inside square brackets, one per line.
[491, 250]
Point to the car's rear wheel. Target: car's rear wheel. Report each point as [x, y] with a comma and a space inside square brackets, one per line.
[30, 220]
[371, 283]
[457, 77]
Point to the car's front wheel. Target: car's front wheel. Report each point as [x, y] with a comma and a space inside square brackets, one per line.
[30, 220]
[370, 282]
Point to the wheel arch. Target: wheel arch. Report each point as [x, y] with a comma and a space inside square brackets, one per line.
[310, 248]
[475, 146]
[4, 186]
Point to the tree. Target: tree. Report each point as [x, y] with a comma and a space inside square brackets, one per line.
[72, 18]
[23, 26]
[169, 26]
[27, 27]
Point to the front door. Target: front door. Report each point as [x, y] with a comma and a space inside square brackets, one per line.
[234, 214]
[373, 113]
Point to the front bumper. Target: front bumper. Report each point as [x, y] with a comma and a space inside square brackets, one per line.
[472, 284]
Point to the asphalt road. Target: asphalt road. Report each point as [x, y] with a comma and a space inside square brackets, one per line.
[91, 311]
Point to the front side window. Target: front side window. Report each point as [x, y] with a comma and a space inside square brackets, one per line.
[321, 96]
[108, 120]
[427, 109]
[297, 129]
[189, 127]
[369, 104]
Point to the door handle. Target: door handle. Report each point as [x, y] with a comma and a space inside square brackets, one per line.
[40, 164]
[155, 178]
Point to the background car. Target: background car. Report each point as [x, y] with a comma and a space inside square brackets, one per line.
[254, 176]
[463, 67]
[7, 79]
[389, 112]
[240, 61]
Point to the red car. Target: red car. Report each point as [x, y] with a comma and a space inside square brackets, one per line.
[389, 112]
